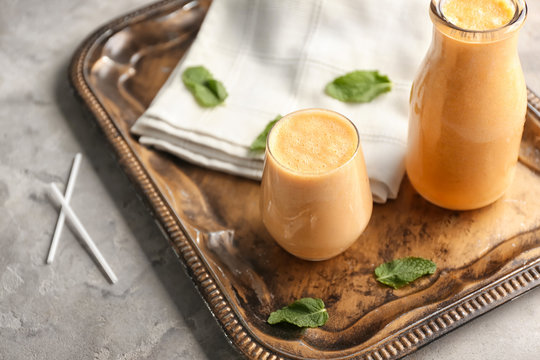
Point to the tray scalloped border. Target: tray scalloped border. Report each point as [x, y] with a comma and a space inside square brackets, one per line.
[416, 335]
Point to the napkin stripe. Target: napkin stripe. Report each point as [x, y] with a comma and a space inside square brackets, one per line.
[232, 76]
[304, 58]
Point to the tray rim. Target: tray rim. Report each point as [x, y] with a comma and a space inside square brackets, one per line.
[406, 341]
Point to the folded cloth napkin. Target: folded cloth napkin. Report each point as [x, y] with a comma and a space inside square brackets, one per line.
[275, 57]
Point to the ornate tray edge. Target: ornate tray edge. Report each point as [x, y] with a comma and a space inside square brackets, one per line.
[417, 335]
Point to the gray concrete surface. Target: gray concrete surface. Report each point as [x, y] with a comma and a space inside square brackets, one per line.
[67, 310]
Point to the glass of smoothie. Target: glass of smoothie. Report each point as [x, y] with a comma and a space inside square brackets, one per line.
[468, 104]
[315, 194]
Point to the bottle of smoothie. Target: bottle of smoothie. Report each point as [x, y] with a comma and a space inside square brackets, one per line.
[315, 195]
[468, 104]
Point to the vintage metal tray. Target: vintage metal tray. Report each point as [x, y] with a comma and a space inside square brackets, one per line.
[484, 257]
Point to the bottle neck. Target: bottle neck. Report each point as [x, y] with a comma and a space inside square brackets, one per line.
[444, 43]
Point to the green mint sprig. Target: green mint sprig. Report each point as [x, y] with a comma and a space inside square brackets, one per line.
[359, 86]
[306, 312]
[259, 144]
[400, 272]
[208, 91]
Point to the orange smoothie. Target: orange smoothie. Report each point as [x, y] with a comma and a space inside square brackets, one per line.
[468, 104]
[478, 15]
[315, 195]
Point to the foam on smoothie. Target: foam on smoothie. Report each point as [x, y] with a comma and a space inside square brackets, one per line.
[478, 15]
[313, 142]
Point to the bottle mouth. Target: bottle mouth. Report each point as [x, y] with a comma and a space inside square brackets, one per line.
[442, 22]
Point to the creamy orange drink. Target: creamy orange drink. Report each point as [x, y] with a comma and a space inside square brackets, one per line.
[468, 104]
[315, 195]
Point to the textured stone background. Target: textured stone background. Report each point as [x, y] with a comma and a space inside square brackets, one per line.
[67, 310]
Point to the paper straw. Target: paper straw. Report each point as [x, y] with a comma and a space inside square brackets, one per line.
[534, 110]
[62, 216]
[57, 195]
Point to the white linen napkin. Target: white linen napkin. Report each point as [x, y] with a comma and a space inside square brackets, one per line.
[275, 57]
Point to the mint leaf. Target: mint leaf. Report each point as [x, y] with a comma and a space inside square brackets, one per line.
[208, 91]
[204, 96]
[259, 144]
[196, 75]
[306, 312]
[359, 86]
[217, 88]
[400, 272]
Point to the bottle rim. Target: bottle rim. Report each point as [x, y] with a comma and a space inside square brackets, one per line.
[439, 19]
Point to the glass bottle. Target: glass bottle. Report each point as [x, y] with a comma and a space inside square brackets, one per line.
[466, 115]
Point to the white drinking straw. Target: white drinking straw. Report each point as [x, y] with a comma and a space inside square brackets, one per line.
[533, 109]
[62, 216]
[57, 195]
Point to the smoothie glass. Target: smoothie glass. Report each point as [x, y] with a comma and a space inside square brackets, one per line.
[466, 114]
[315, 215]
